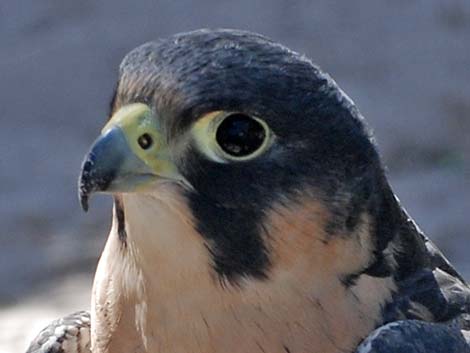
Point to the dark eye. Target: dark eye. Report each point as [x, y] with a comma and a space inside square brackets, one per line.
[240, 135]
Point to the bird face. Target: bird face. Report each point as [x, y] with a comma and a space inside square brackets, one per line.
[136, 155]
[241, 127]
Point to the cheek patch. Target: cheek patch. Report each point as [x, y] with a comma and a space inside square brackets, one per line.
[299, 243]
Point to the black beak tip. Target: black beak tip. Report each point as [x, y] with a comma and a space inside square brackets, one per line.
[101, 165]
[83, 197]
[83, 192]
[93, 179]
[85, 182]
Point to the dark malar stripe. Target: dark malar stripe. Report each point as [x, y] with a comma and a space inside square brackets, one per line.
[120, 217]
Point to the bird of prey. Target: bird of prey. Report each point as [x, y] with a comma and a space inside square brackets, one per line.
[252, 214]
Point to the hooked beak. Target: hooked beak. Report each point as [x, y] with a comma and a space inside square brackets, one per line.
[128, 156]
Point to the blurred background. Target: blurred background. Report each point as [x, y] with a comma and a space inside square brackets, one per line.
[405, 63]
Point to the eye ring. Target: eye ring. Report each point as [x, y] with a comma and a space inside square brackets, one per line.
[211, 142]
[239, 136]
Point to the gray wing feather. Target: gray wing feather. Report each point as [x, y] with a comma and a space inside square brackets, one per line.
[413, 336]
[70, 334]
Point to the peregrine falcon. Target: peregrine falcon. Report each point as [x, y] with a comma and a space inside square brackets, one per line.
[252, 214]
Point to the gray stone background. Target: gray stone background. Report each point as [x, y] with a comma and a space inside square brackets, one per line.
[406, 63]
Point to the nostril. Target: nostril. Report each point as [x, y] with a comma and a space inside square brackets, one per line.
[145, 141]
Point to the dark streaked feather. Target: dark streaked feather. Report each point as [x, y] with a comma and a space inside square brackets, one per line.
[412, 336]
[426, 280]
[70, 334]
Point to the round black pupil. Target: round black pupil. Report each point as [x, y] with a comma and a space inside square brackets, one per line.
[145, 141]
[240, 135]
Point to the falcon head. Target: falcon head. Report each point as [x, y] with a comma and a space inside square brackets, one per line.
[252, 145]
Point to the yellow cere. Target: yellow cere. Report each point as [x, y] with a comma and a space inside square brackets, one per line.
[135, 120]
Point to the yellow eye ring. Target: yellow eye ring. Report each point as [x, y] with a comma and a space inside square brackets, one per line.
[232, 136]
